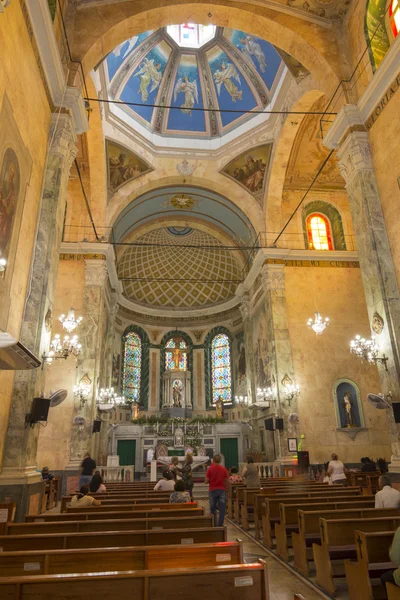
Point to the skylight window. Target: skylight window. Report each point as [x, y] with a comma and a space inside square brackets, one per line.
[190, 35]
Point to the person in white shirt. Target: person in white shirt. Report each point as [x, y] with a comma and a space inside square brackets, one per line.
[387, 497]
[167, 483]
[336, 471]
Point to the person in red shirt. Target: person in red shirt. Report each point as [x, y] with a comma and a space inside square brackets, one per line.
[217, 478]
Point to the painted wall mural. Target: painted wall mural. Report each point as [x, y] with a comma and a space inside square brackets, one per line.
[240, 364]
[187, 94]
[9, 192]
[123, 50]
[249, 168]
[260, 348]
[123, 165]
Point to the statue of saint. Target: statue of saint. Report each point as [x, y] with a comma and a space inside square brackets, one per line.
[219, 408]
[177, 394]
[135, 410]
[348, 405]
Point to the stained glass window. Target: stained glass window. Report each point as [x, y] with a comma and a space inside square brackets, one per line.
[132, 366]
[319, 232]
[394, 16]
[221, 378]
[173, 358]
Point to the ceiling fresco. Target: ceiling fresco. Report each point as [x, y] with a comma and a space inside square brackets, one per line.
[249, 169]
[177, 90]
[123, 165]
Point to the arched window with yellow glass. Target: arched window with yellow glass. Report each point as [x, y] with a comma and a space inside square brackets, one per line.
[319, 232]
[382, 26]
[323, 227]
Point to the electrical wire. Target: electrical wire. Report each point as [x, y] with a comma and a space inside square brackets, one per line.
[86, 200]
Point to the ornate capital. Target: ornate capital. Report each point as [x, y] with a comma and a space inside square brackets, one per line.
[273, 277]
[245, 309]
[96, 272]
[63, 138]
[354, 155]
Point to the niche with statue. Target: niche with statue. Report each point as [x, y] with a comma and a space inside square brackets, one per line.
[347, 400]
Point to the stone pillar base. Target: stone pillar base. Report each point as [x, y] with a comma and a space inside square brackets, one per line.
[27, 496]
[394, 465]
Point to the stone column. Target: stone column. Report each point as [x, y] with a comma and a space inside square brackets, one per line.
[280, 353]
[106, 377]
[377, 269]
[19, 460]
[248, 346]
[92, 336]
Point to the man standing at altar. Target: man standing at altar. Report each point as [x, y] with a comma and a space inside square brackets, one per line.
[217, 478]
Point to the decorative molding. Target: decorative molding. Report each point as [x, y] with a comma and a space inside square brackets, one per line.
[245, 309]
[184, 168]
[273, 277]
[48, 321]
[63, 138]
[74, 101]
[354, 155]
[377, 324]
[96, 273]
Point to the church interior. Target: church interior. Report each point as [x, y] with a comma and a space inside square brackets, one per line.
[199, 256]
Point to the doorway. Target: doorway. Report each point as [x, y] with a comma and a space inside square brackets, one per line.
[126, 450]
[229, 448]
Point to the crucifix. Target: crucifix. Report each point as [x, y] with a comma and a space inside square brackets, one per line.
[177, 354]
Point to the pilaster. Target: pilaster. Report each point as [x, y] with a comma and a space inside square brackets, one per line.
[248, 345]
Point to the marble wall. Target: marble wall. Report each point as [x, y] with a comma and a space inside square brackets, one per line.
[32, 114]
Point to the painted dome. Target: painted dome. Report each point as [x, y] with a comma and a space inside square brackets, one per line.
[178, 268]
[177, 81]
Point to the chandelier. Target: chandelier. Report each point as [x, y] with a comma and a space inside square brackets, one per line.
[318, 324]
[69, 322]
[242, 400]
[108, 398]
[3, 264]
[367, 350]
[82, 392]
[62, 348]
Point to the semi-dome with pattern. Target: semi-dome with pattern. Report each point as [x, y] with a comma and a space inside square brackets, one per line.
[178, 268]
[176, 80]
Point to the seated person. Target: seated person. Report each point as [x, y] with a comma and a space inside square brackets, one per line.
[387, 497]
[82, 499]
[367, 466]
[167, 483]
[46, 475]
[393, 576]
[235, 477]
[97, 484]
[179, 496]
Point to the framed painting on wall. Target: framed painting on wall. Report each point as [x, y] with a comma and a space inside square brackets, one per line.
[292, 444]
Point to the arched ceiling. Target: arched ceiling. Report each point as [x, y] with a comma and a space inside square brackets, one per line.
[170, 75]
[178, 268]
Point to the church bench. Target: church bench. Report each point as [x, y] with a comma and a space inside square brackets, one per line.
[108, 525]
[271, 514]
[232, 494]
[363, 575]
[163, 497]
[154, 507]
[89, 515]
[393, 591]
[236, 582]
[285, 528]
[337, 544]
[96, 560]
[309, 532]
[108, 539]
[288, 523]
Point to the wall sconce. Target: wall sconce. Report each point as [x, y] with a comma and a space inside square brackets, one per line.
[291, 392]
[82, 392]
[62, 348]
[367, 350]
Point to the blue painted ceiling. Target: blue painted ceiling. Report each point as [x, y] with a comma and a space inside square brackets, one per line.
[233, 70]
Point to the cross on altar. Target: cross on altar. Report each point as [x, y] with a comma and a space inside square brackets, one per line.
[177, 354]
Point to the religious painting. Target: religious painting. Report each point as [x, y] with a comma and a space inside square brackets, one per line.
[295, 67]
[348, 405]
[187, 95]
[123, 166]
[249, 169]
[15, 171]
[240, 352]
[292, 444]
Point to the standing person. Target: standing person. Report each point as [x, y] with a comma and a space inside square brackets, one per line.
[336, 471]
[217, 478]
[387, 497]
[88, 466]
[166, 484]
[394, 574]
[250, 474]
[174, 467]
[187, 474]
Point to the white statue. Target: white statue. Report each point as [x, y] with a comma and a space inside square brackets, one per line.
[177, 394]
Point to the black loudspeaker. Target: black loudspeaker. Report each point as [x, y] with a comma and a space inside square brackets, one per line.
[96, 426]
[396, 411]
[279, 424]
[269, 424]
[39, 410]
[303, 459]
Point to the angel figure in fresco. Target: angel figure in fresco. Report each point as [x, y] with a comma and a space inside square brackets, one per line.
[189, 88]
[224, 76]
[148, 73]
[131, 44]
[252, 48]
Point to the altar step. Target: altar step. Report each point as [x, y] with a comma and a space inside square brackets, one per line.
[200, 490]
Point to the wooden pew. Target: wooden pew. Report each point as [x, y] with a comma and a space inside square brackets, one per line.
[363, 575]
[236, 582]
[154, 506]
[309, 531]
[271, 513]
[108, 525]
[96, 560]
[90, 515]
[337, 543]
[125, 499]
[393, 591]
[108, 539]
[289, 522]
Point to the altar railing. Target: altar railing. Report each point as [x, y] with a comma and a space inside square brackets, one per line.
[117, 474]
